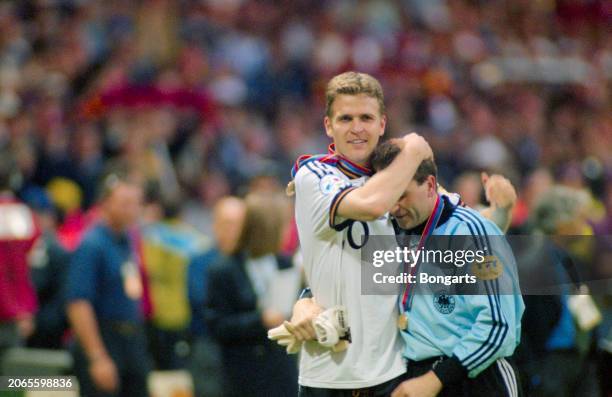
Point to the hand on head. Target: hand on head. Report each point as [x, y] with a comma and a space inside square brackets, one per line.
[415, 144]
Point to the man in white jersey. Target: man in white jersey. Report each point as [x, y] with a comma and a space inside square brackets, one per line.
[337, 205]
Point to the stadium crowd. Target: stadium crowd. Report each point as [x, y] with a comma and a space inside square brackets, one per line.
[200, 100]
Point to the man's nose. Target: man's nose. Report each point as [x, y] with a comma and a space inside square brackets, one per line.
[395, 209]
[357, 126]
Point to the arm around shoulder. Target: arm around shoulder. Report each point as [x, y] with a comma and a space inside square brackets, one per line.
[382, 191]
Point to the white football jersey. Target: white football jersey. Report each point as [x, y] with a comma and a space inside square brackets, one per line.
[332, 263]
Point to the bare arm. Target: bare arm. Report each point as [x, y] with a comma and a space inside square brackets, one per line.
[427, 385]
[382, 191]
[85, 325]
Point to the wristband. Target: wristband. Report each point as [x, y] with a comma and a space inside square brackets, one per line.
[450, 370]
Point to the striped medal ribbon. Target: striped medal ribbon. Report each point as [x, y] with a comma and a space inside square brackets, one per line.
[432, 222]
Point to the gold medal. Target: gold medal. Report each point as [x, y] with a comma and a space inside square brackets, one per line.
[402, 322]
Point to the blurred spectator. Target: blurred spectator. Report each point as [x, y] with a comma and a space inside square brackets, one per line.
[168, 248]
[265, 182]
[198, 212]
[50, 264]
[205, 364]
[66, 196]
[18, 234]
[604, 331]
[228, 223]
[190, 89]
[604, 227]
[205, 360]
[469, 187]
[486, 151]
[104, 292]
[536, 183]
[557, 355]
[89, 159]
[238, 312]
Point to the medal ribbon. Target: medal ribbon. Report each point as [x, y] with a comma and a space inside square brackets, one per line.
[349, 168]
[432, 222]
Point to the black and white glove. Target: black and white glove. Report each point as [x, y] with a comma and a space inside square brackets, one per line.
[331, 328]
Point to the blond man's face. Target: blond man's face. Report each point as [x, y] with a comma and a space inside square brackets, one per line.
[355, 125]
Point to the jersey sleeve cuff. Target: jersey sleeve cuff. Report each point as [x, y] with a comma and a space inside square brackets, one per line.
[335, 203]
[450, 370]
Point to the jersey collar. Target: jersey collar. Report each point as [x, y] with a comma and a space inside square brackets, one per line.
[344, 165]
[447, 211]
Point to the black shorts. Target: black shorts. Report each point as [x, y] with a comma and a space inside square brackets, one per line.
[500, 379]
[382, 390]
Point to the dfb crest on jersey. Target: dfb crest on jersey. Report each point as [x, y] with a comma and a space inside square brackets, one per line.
[444, 303]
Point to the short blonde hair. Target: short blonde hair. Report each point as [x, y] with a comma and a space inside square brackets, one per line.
[264, 224]
[353, 83]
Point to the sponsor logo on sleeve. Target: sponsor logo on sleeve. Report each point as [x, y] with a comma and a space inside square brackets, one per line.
[332, 184]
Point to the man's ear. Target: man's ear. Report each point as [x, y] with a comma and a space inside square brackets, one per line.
[383, 122]
[328, 128]
[432, 185]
